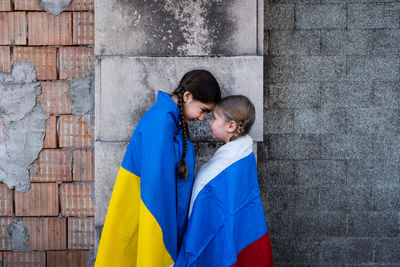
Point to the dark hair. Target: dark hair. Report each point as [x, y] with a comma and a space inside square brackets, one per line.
[204, 88]
[238, 108]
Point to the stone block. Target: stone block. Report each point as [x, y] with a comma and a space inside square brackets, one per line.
[50, 139]
[44, 59]
[75, 62]
[111, 153]
[373, 120]
[294, 95]
[279, 121]
[13, 28]
[373, 16]
[6, 201]
[314, 224]
[53, 165]
[318, 121]
[54, 98]
[46, 29]
[346, 94]
[281, 69]
[386, 250]
[47, 233]
[275, 172]
[345, 199]
[302, 43]
[5, 58]
[136, 93]
[373, 224]
[294, 146]
[386, 198]
[174, 28]
[67, 259]
[346, 42]
[40, 200]
[320, 172]
[83, 167]
[279, 17]
[80, 233]
[37, 259]
[75, 131]
[385, 42]
[373, 172]
[386, 94]
[77, 199]
[320, 16]
[386, 147]
[346, 146]
[83, 30]
[352, 250]
[371, 68]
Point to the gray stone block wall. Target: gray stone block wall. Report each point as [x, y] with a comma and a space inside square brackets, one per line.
[329, 166]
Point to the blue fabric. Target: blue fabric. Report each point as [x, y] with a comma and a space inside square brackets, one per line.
[153, 154]
[227, 216]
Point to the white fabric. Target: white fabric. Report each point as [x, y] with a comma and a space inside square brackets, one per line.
[225, 156]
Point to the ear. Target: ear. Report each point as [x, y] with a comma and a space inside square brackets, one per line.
[187, 96]
[232, 126]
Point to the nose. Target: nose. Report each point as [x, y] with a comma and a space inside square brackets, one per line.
[201, 117]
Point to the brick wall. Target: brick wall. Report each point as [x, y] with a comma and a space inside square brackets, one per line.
[58, 209]
[330, 163]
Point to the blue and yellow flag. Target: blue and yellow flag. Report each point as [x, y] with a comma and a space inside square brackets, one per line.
[148, 210]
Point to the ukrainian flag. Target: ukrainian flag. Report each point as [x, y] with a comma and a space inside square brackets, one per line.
[148, 210]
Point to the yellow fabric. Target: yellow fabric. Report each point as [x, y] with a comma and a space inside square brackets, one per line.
[131, 235]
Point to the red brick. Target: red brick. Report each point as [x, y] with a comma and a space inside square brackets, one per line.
[5, 240]
[12, 28]
[6, 201]
[70, 259]
[47, 233]
[5, 59]
[27, 5]
[81, 5]
[5, 5]
[75, 62]
[53, 165]
[54, 98]
[83, 32]
[81, 233]
[74, 131]
[43, 58]
[40, 200]
[46, 29]
[83, 168]
[50, 139]
[24, 259]
[76, 200]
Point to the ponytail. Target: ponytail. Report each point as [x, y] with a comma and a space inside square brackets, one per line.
[182, 167]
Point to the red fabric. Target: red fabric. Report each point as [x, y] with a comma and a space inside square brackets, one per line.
[257, 254]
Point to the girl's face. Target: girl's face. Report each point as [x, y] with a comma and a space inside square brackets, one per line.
[221, 129]
[194, 110]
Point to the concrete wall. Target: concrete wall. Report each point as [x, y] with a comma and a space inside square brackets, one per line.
[146, 46]
[329, 166]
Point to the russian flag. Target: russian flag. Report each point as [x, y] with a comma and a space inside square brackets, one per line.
[147, 214]
[226, 219]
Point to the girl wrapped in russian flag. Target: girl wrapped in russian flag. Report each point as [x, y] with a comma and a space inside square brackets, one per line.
[227, 225]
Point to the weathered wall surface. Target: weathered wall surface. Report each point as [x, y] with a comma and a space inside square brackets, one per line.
[329, 166]
[159, 42]
[46, 139]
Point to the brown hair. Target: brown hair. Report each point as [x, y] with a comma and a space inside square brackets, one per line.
[238, 108]
[204, 88]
